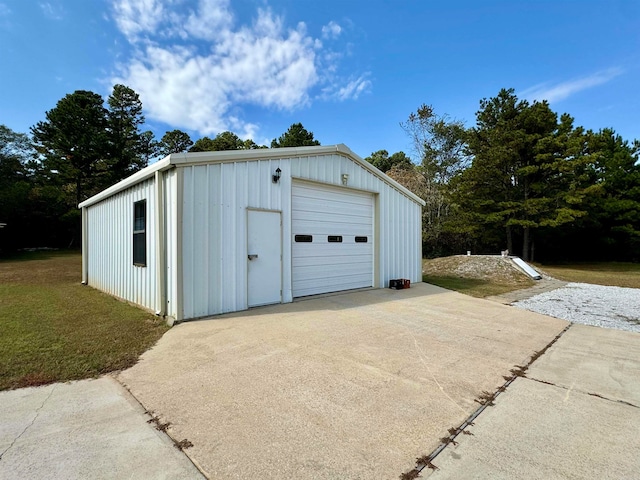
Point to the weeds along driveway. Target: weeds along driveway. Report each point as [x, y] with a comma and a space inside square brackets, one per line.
[348, 386]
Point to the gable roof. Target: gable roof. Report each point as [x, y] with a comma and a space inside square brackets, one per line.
[183, 159]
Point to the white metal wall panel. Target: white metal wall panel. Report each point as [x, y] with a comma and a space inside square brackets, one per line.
[110, 246]
[321, 266]
[213, 209]
[214, 231]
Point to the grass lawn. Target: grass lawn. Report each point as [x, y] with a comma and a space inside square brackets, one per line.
[477, 275]
[609, 273]
[474, 287]
[55, 329]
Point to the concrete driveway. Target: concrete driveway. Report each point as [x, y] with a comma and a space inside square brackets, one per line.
[576, 415]
[87, 429]
[352, 386]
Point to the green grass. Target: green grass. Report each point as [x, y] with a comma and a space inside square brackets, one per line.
[609, 273]
[471, 286]
[55, 329]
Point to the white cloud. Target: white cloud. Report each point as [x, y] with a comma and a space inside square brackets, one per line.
[331, 30]
[52, 10]
[134, 17]
[351, 91]
[560, 91]
[211, 17]
[195, 69]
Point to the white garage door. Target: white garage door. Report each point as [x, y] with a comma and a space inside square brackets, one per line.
[332, 237]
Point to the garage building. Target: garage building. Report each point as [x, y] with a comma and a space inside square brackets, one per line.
[199, 234]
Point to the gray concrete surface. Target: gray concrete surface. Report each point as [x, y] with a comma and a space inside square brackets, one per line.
[583, 422]
[352, 386]
[594, 360]
[85, 429]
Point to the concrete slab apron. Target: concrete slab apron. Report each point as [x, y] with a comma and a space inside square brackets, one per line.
[348, 386]
[85, 429]
[575, 416]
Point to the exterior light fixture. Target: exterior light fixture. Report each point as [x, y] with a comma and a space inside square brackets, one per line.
[345, 178]
[276, 176]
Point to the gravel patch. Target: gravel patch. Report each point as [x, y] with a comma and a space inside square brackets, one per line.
[597, 305]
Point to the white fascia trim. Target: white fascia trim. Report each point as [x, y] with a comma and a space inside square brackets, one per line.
[248, 155]
[181, 159]
[137, 177]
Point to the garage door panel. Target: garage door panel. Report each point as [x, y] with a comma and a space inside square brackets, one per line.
[321, 266]
[337, 284]
[362, 272]
[329, 218]
[337, 196]
[324, 258]
[346, 263]
[357, 225]
[341, 255]
[347, 246]
[332, 209]
[321, 232]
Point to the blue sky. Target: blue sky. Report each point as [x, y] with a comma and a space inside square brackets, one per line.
[350, 71]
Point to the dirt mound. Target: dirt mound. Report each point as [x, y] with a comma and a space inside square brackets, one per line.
[482, 267]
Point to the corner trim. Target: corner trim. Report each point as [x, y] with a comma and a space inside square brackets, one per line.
[85, 246]
[161, 250]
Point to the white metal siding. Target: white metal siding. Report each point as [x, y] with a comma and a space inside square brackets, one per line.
[205, 221]
[213, 209]
[398, 218]
[110, 246]
[214, 248]
[321, 266]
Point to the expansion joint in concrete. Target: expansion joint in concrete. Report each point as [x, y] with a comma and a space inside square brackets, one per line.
[181, 445]
[485, 399]
[624, 402]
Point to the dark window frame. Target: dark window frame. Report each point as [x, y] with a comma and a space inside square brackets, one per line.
[361, 239]
[139, 243]
[334, 238]
[303, 238]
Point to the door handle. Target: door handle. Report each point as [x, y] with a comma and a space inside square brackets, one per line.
[252, 256]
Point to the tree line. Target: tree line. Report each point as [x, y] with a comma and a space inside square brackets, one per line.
[84, 145]
[523, 178]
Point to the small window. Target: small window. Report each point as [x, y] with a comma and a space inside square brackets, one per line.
[140, 233]
[303, 238]
[361, 240]
[335, 238]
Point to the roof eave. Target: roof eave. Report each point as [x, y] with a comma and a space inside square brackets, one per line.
[183, 159]
[137, 177]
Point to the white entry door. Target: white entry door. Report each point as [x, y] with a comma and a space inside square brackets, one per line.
[264, 257]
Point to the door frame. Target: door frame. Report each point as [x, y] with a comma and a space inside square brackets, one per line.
[246, 252]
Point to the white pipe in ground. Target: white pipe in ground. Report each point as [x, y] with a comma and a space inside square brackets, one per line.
[526, 268]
